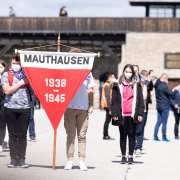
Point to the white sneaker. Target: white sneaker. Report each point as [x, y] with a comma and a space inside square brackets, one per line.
[69, 165]
[1, 150]
[138, 152]
[82, 166]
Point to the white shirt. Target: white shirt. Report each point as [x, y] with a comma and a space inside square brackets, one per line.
[80, 100]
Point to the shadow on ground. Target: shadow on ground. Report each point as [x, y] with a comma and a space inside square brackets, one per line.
[6, 150]
[3, 156]
[57, 167]
[136, 162]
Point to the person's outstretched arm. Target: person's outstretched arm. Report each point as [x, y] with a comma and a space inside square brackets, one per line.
[168, 92]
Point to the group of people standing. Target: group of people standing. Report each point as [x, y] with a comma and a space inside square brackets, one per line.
[126, 102]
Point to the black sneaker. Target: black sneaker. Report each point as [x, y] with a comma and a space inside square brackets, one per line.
[4, 146]
[22, 164]
[33, 139]
[176, 137]
[108, 138]
[12, 164]
[124, 160]
[130, 160]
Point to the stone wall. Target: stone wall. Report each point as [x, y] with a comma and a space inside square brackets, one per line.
[147, 50]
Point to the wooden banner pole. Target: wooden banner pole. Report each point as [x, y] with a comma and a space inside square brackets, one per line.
[55, 133]
[54, 151]
[58, 47]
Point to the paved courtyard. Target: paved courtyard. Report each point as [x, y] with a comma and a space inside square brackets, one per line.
[159, 160]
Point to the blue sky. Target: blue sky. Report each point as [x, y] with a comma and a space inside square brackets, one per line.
[75, 8]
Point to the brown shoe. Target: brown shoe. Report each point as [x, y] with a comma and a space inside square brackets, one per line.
[145, 139]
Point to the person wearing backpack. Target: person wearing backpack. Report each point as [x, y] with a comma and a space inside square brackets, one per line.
[17, 110]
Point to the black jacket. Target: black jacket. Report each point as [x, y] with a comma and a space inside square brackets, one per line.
[108, 98]
[162, 95]
[149, 89]
[116, 107]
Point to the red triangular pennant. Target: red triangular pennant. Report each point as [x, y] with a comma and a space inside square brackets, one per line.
[56, 78]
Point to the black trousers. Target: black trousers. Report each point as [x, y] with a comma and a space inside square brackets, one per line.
[2, 125]
[17, 122]
[176, 126]
[128, 129]
[106, 123]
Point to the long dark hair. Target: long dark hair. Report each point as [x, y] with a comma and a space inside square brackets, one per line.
[4, 65]
[122, 78]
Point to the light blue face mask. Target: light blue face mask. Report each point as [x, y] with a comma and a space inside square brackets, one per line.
[166, 81]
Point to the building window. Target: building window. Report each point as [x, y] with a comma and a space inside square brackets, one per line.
[161, 11]
[178, 11]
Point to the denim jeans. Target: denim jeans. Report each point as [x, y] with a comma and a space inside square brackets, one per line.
[162, 118]
[31, 122]
[140, 133]
[176, 126]
[17, 122]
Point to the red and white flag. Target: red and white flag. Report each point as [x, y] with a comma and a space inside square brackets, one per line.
[55, 78]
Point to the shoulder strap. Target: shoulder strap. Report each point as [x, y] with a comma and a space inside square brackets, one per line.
[27, 86]
[10, 78]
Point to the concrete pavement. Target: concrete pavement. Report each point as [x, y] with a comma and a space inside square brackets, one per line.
[159, 160]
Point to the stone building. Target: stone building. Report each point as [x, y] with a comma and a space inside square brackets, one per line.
[157, 51]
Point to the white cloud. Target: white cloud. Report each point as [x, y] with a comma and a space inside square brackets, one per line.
[75, 8]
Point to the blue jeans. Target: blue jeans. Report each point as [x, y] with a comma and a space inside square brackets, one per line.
[162, 118]
[140, 133]
[31, 122]
[176, 126]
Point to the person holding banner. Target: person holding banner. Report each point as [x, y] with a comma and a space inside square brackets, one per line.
[17, 110]
[3, 68]
[76, 117]
[127, 109]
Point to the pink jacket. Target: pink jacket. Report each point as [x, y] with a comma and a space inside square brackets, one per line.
[127, 99]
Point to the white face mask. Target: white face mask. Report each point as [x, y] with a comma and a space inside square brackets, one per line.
[1, 70]
[166, 81]
[16, 67]
[128, 75]
[114, 80]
